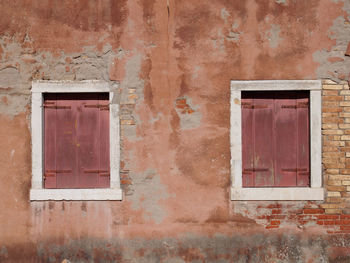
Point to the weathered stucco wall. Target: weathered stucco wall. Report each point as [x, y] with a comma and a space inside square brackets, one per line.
[174, 61]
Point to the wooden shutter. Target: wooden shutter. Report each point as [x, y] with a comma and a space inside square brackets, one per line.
[104, 175]
[275, 139]
[303, 145]
[247, 141]
[77, 140]
[50, 141]
[285, 139]
[257, 137]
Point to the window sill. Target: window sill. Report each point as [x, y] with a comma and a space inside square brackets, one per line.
[277, 194]
[75, 194]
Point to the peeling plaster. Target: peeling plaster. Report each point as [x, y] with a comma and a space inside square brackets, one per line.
[332, 63]
[15, 104]
[147, 192]
[284, 2]
[191, 118]
[273, 36]
[224, 14]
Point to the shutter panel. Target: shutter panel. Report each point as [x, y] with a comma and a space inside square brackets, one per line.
[286, 139]
[66, 162]
[303, 142]
[263, 139]
[50, 141]
[88, 142]
[247, 141]
[275, 139]
[104, 175]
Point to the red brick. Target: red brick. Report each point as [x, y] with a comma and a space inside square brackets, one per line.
[274, 206]
[344, 227]
[125, 181]
[275, 222]
[342, 222]
[276, 211]
[329, 223]
[320, 222]
[269, 227]
[344, 216]
[313, 211]
[181, 101]
[328, 217]
[276, 217]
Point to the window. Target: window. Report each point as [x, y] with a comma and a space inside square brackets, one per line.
[276, 140]
[75, 141]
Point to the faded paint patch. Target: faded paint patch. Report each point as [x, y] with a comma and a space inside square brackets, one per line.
[147, 192]
[273, 36]
[190, 117]
[224, 14]
[284, 2]
[340, 33]
[9, 77]
[14, 105]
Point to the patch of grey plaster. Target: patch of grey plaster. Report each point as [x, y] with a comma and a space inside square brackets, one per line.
[35, 64]
[9, 77]
[273, 36]
[19, 66]
[233, 36]
[224, 14]
[234, 33]
[195, 72]
[13, 104]
[218, 42]
[131, 91]
[284, 2]
[189, 119]
[132, 78]
[157, 118]
[340, 32]
[148, 190]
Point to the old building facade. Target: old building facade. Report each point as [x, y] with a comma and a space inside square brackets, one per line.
[167, 84]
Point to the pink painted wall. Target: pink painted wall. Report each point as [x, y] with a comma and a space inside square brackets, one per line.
[174, 61]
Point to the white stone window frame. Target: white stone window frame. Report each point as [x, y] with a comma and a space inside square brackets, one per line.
[315, 191]
[37, 191]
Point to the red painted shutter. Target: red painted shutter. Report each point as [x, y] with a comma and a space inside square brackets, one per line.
[93, 140]
[247, 141]
[257, 139]
[303, 142]
[263, 139]
[66, 161]
[104, 175]
[76, 141]
[88, 141]
[275, 139]
[50, 141]
[286, 138]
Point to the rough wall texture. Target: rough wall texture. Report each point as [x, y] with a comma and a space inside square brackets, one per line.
[174, 61]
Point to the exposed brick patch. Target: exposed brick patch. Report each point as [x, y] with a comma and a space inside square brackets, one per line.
[334, 213]
[182, 105]
[336, 156]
